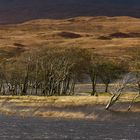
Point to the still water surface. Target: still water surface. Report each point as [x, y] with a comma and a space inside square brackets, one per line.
[16, 128]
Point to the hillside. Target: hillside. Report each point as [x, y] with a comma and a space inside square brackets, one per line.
[15, 11]
[109, 36]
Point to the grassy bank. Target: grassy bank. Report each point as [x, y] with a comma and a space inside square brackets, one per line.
[63, 107]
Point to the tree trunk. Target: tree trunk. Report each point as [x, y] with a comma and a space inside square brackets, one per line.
[110, 102]
[94, 93]
[113, 100]
[25, 85]
[106, 87]
[131, 104]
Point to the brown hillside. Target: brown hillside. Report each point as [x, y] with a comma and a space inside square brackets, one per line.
[110, 36]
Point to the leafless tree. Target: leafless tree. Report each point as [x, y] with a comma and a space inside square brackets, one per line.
[109, 71]
[135, 66]
[118, 89]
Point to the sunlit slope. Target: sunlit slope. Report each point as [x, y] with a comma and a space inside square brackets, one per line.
[110, 36]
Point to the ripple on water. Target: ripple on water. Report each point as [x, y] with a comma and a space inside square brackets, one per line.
[14, 128]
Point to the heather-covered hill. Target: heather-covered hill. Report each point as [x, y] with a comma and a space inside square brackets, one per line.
[109, 36]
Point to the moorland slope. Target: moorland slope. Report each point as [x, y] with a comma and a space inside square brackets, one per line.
[109, 36]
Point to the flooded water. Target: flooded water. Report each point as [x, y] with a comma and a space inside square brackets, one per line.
[87, 88]
[15, 128]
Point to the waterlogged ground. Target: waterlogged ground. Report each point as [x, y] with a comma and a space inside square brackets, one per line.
[16, 128]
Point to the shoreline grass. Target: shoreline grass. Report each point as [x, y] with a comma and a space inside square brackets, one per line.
[74, 107]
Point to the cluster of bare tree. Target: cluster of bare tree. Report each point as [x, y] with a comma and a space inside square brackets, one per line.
[48, 72]
[55, 71]
[129, 80]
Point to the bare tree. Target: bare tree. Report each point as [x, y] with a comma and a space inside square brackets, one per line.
[110, 71]
[92, 62]
[118, 89]
[135, 68]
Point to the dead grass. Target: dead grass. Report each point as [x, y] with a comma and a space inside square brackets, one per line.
[81, 31]
[86, 107]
